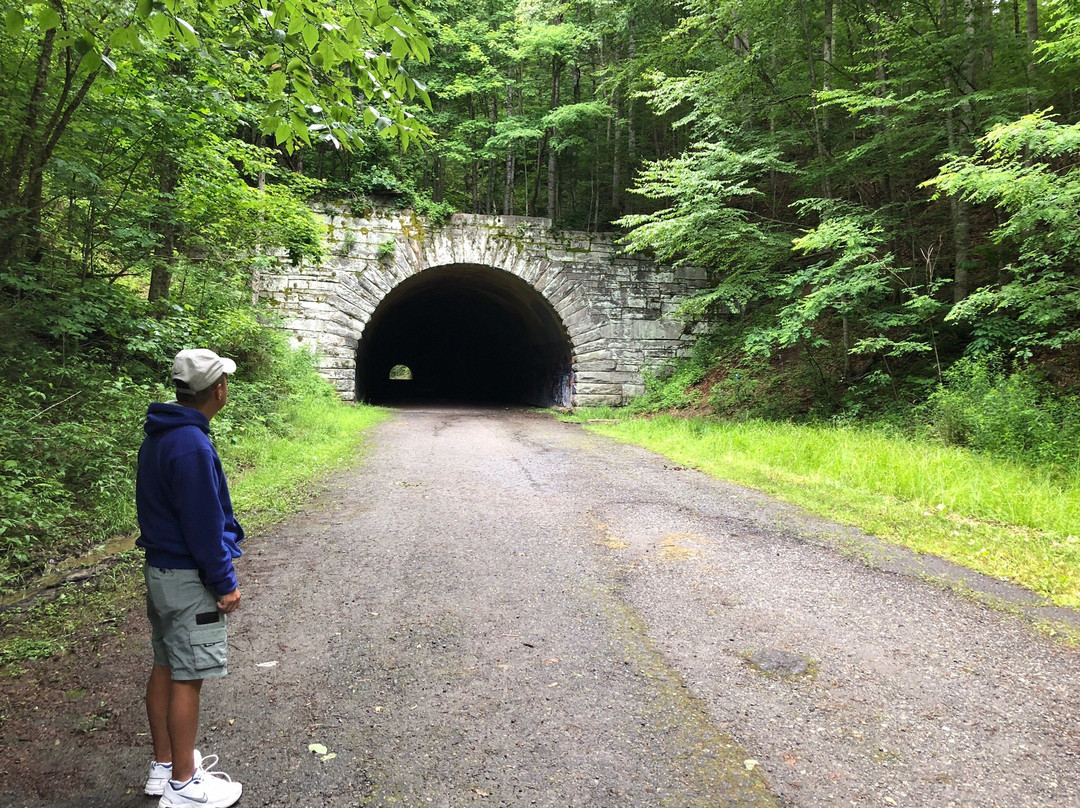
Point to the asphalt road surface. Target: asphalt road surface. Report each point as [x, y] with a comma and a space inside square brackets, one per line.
[498, 609]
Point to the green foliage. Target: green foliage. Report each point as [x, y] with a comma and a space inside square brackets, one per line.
[747, 387]
[131, 140]
[885, 311]
[1028, 170]
[79, 362]
[822, 132]
[671, 388]
[710, 222]
[437, 213]
[386, 249]
[721, 376]
[1007, 413]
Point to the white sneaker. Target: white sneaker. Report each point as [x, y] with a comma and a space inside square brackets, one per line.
[205, 790]
[159, 775]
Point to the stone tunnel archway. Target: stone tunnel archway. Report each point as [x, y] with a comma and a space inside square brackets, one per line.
[582, 319]
[467, 333]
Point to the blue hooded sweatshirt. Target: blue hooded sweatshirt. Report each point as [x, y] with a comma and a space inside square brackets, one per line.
[185, 513]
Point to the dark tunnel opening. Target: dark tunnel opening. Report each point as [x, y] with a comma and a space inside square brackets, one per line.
[464, 334]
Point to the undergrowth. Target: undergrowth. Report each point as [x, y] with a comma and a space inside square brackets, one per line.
[270, 476]
[79, 363]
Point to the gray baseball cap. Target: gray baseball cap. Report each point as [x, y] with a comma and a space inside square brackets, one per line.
[199, 368]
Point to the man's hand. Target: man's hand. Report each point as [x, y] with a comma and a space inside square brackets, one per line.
[229, 603]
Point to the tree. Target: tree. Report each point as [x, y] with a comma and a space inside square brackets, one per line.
[319, 61]
[1028, 170]
[858, 105]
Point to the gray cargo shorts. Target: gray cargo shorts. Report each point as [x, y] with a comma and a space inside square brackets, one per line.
[187, 630]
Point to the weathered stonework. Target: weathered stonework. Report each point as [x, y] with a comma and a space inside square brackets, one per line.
[616, 310]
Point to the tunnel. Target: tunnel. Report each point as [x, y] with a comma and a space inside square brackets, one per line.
[465, 334]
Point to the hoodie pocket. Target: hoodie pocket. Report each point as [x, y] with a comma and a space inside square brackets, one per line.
[209, 646]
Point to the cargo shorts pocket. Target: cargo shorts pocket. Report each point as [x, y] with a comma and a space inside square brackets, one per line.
[209, 647]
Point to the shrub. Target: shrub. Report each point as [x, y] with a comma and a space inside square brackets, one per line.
[1006, 412]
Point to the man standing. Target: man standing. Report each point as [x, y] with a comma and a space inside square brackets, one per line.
[191, 537]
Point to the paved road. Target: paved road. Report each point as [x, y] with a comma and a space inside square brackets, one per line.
[498, 609]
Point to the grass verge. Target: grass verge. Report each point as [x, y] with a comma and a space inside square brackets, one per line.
[1007, 520]
[270, 477]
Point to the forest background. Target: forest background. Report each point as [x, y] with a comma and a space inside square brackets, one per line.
[885, 194]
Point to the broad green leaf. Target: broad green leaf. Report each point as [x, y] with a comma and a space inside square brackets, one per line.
[304, 91]
[14, 21]
[187, 33]
[159, 25]
[84, 44]
[90, 63]
[299, 128]
[48, 18]
[271, 57]
[311, 36]
[276, 83]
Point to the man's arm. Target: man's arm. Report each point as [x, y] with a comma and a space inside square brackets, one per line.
[202, 520]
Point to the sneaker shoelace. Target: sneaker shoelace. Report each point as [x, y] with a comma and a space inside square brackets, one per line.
[208, 763]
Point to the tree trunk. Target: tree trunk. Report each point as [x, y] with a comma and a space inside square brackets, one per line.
[961, 208]
[882, 112]
[165, 225]
[631, 135]
[535, 198]
[510, 167]
[616, 143]
[819, 128]
[828, 46]
[552, 158]
[1032, 36]
[17, 229]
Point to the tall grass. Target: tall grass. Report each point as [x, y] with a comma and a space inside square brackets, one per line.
[1008, 520]
[271, 478]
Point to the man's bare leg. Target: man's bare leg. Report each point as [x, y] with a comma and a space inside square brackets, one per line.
[183, 726]
[158, 692]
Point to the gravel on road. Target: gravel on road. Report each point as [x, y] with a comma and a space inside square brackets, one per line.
[500, 609]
